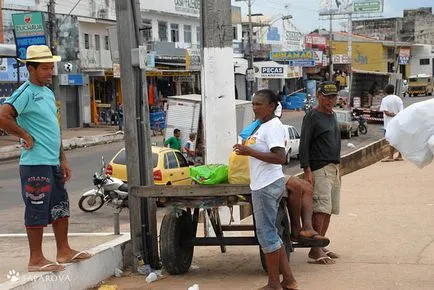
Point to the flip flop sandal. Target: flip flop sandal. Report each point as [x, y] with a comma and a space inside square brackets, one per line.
[45, 268]
[320, 261]
[332, 254]
[312, 241]
[76, 258]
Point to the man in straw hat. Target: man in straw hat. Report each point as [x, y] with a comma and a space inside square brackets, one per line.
[31, 114]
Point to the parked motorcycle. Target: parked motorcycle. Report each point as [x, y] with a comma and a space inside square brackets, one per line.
[363, 129]
[109, 190]
[308, 104]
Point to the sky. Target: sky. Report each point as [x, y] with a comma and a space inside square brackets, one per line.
[305, 12]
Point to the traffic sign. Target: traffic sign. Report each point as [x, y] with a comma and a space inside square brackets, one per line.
[28, 30]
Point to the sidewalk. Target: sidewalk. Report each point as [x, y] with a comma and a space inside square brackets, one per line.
[384, 234]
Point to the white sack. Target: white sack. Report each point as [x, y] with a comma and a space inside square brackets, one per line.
[411, 132]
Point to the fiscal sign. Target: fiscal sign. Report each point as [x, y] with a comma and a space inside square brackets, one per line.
[28, 30]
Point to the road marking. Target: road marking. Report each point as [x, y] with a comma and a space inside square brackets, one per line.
[69, 235]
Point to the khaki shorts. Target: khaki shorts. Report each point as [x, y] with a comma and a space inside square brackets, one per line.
[327, 189]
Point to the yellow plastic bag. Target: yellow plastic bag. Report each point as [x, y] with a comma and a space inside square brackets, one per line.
[239, 172]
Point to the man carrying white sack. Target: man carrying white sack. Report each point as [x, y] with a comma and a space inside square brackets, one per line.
[412, 133]
[391, 105]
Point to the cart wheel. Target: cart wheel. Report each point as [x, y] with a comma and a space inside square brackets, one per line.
[283, 226]
[175, 247]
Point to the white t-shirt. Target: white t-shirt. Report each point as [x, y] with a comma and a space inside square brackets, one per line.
[392, 104]
[278, 111]
[269, 135]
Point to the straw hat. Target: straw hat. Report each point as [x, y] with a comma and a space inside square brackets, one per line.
[40, 53]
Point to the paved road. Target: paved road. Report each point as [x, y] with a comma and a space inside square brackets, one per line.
[85, 161]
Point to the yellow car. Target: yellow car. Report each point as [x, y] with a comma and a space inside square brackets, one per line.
[170, 166]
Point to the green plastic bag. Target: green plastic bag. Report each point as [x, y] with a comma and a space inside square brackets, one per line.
[210, 174]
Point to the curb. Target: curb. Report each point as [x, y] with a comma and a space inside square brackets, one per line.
[106, 258]
[13, 151]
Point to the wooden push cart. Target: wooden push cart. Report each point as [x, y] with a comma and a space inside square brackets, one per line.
[179, 227]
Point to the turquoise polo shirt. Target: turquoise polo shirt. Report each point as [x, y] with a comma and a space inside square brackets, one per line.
[37, 114]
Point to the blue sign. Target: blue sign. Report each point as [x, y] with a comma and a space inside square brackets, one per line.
[9, 71]
[302, 62]
[273, 34]
[75, 79]
[403, 60]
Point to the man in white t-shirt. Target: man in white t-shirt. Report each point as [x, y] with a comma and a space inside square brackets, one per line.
[390, 106]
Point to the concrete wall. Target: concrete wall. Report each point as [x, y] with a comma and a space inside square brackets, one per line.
[92, 58]
[181, 21]
[418, 53]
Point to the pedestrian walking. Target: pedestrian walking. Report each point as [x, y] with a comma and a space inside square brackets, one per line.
[390, 106]
[31, 114]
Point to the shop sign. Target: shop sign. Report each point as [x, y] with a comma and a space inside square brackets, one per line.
[187, 79]
[192, 59]
[187, 6]
[315, 40]
[303, 58]
[8, 70]
[294, 72]
[318, 57]
[116, 70]
[75, 79]
[341, 59]
[150, 59]
[404, 55]
[28, 30]
[167, 73]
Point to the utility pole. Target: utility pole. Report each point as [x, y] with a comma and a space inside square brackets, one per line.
[251, 60]
[143, 223]
[52, 34]
[331, 48]
[218, 93]
[350, 53]
[395, 48]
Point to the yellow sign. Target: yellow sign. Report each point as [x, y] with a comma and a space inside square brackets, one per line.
[168, 73]
[369, 56]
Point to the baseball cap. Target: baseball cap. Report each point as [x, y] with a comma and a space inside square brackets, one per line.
[328, 89]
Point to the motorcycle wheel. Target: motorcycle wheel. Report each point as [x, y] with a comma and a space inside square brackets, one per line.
[363, 129]
[91, 203]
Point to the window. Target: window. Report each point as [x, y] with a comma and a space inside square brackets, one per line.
[424, 61]
[174, 32]
[97, 42]
[234, 33]
[291, 133]
[181, 159]
[86, 41]
[198, 34]
[147, 30]
[187, 33]
[170, 161]
[106, 43]
[162, 30]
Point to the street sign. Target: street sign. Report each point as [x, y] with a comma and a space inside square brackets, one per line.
[302, 62]
[368, 6]
[28, 30]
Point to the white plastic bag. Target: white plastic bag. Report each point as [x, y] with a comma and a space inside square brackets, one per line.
[411, 132]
